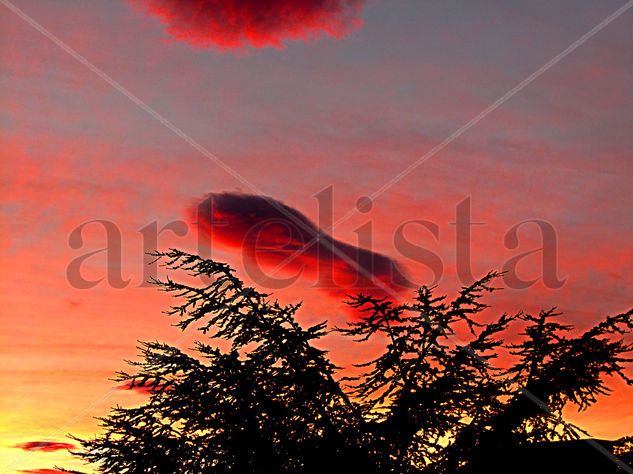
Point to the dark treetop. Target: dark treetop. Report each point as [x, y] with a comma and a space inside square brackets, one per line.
[265, 399]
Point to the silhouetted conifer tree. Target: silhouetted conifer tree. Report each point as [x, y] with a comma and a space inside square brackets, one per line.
[434, 401]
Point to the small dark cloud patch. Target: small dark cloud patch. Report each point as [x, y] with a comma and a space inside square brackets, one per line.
[44, 446]
[41, 471]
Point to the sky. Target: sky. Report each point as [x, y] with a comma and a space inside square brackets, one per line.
[294, 104]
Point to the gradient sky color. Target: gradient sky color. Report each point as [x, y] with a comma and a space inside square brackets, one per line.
[348, 111]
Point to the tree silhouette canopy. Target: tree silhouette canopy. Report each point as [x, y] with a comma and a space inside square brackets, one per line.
[448, 393]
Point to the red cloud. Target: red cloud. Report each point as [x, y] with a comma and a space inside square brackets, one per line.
[46, 446]
[258, 23]
[267, 232]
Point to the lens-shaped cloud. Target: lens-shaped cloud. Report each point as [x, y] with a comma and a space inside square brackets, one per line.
[258, 23]
[268, 232]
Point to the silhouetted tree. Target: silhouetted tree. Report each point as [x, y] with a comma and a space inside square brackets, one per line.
[267, 400]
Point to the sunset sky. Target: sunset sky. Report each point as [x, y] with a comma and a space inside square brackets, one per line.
[340, 95]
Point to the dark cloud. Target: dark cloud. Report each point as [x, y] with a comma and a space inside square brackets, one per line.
[46, 446]
[267, 231]
[258, 23]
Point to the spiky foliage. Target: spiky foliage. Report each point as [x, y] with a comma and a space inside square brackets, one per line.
[430, 386]
[267, 399]
[269, 403]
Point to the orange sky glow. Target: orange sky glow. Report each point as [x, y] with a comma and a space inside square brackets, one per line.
[336, 101]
